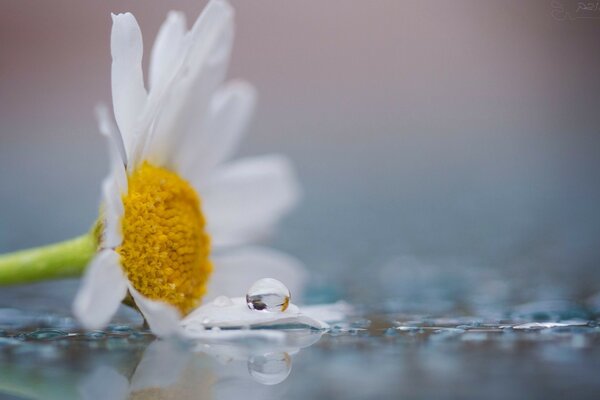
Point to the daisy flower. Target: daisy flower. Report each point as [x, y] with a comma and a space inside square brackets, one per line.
[175, 216]
[177, 221]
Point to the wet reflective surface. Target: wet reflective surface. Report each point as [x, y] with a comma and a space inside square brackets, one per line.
[537, 350]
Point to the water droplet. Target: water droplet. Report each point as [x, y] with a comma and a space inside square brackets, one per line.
[119, 329]
[95, 335]
[336, 330]
[390, 332]
[222, 301]
[45, 334]
[271, 368]
[268, 295]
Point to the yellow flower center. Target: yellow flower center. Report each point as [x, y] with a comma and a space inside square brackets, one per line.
[165, 249]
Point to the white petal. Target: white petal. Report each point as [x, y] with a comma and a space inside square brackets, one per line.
[167, 47]
[208, 338]
[184, 104]
[239, 315]
[104, 383]
[162, 318]
[161, 366]
[243, 200]
[228, 115]
[102, 289]
[113, 210]
[116, 148]
[129, 94]
[236, 270]
[232, 344]
[334, 312]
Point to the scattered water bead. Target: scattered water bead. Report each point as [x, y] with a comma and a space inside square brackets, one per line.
[119, 329]
[268, 295]
[271, 368]
[336, 330]
[390, 332]
[95, 335]
[548, 325]
[46, 334]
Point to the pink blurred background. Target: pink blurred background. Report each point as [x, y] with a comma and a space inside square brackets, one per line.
[455, 133]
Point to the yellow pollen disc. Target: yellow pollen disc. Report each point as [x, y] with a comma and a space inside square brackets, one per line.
[165, 250]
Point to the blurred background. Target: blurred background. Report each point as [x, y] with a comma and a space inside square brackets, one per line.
[449, 151]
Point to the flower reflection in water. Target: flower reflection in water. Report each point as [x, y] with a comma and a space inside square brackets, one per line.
[47, 357]
[225, 362]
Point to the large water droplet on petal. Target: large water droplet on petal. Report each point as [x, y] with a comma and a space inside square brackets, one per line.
[268, 295]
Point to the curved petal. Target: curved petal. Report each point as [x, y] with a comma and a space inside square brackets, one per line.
[236, 270]
[237, 314]
[116, 148]
[128, 92]
[228, 115]
[243, 200]
[184, 102]
[162, 318]
[113, 210]
[102, 288]
[166, 47]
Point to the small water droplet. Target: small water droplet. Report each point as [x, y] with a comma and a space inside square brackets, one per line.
[336, 330]
[95, 335]
[222, 301]
[45, 334]
[271, 368]
[119, 329]
[268, 295]
[390, 332]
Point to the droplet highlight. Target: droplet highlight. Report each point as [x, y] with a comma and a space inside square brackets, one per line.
[268, 295]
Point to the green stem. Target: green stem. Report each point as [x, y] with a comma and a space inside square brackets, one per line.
[60, 260]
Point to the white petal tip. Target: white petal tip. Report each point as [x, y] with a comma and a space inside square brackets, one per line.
[101, 291]
[163, 319]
